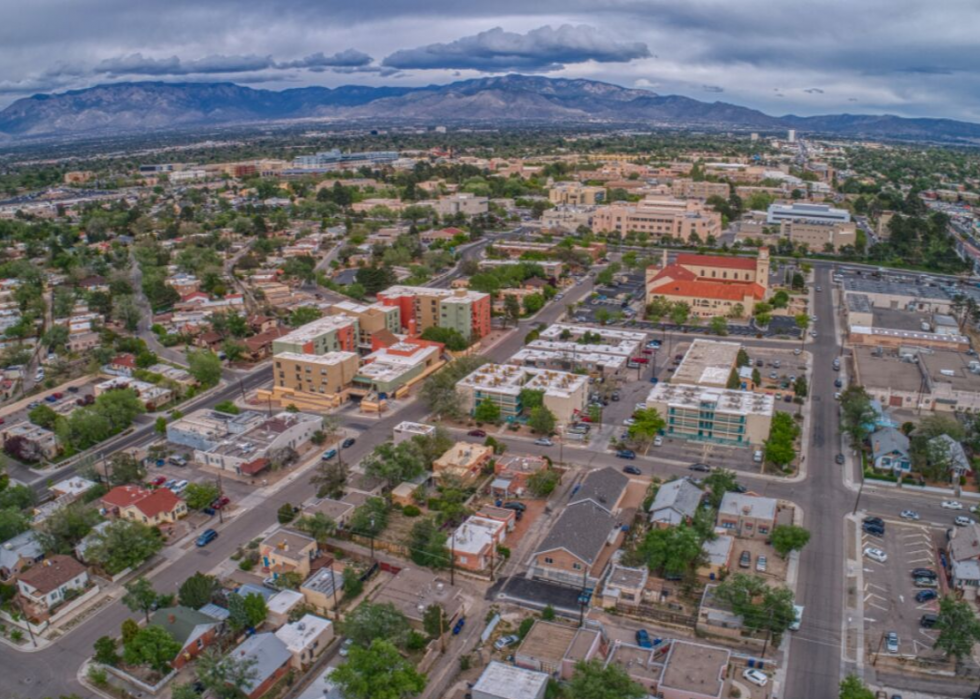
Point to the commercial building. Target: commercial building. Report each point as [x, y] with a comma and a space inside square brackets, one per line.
[819, 236]
[313, 381]
[687, 188]
[391, 369]
[707, 363]
[747, 516]
[334, 159]
[576, 194]
[717, 415]
[564, 393]
[333, 333]
[500, 681]
[459, 203]
[885, 293]
[467, 312]
[205, 428]
[272, 440]
[551, 268]
[711, 285]
[569, 356]
[679, 219]
[890, 339]
[797, 211]
[406, 430]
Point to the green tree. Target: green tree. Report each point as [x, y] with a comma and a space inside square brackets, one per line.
[762, 608]
[370, 621]
[533, 303]
[285, 514]
[800, 387]
[105, 651]
[119, 407]
[958, 628]
[160, 425]
[646, 426]
[205, 367]
[124, 544]
[718, 326]
[197, 590]
[200, 495]
[542, 420]
[140, 597]
[542, 483]
[43, 416]
[227, 406]
[371, 518]
[594, 680]
[531, 399]
[671, 551]
[734, 382]
[352, 584]
[128, 630]
[857, 414]
[125, 469]
[378, 671]
[248, 611]
[303, 316]
[439, 392]
[317, 525]
[512, 308]
[434, 621]
[225, 676]
[718, 483]
[680, 312]
[851, 687]
[12, 523]
[427, 545]
[153, 647]
[779, 448]
[396, 463]
[330, 477]
[487, 411]
[789, 537]
[450, 337]
[67, 526]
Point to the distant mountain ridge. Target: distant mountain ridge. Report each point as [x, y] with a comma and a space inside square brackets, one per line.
[505, 100]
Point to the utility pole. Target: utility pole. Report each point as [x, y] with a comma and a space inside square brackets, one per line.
[765, 645]
[452, 560]
[105, 467]
[372, 539]
[878, 649]
[221, 510]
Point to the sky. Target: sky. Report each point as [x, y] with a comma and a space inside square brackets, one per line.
[905, 57]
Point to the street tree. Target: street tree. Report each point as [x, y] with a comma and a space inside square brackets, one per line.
[857, 414]
[762, 608]
[370, 621]
[197, 590]
[226, 676]
[205, 367]
[330, 477]
[395, 463]
[125, 469]
[199, 496]
[851, 687]
[592, 679]
[66, 527]
[371, 518]
[542, 421]
[317, 525]
[152, 646]
[718, 326]
[789, 537]
[487, 411]
[123, 544]
[140, 597]
[378, 671]
[512, 308]
[958, 628]
[646, 426]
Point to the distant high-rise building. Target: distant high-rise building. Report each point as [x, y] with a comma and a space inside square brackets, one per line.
[754, 137]
[791, 135]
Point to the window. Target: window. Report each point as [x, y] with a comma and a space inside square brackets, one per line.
[549, 561]
[576, 566]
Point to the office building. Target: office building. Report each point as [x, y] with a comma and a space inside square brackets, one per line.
[658, 216]
[819, 213]
[717, 415]
[707, 363]
[687, 188]
[576, 194]
[564, 393]
[269, 442]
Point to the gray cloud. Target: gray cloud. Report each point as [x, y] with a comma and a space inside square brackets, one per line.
[813, 91]
[138, 64]
[712, 88]
[542, 49]
[351, 58]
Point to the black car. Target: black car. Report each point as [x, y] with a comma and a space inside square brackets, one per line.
[348, 443]
[632, 470]
[838, 383]
[739, 488]
[701, 468]
[873, 530]
[928, 620]
[924, 573]
[516, 506]
[73, 389]
[878, 521]
[925, 596]
[839, 458]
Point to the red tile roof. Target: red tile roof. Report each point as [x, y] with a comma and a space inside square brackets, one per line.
[126, 360]
[160, 500]
[717, 261]
[676, 272]
[124, 496]
[52, 573]
[710, 290]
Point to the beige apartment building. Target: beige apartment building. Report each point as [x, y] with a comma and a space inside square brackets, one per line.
[660, 217]
[564, 393]
[820, 237]
[313, 381]
[716, 415]
[576, 194]
[687, 188]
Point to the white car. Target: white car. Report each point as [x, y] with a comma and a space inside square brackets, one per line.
[813, 333]
[345, 647]
[756, 677]
[962, 521]
[544, 442]
[760, 564]
[658, 442]
[179, 486]
[891, 642]
[952, 505]
[875, 554]
[641, 406]
[629, 422]
[909, 514]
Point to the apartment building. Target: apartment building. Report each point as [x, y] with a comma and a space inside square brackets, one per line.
[332, 333]
[464, 461]
[390, 369]
[660, 217]
[686, 188]
[467, 312]
[460, 203]
[576, 194]
[717, 415]
[313, 381]
[712, 285]
[819, 236]
[821, 213]
[564, 393]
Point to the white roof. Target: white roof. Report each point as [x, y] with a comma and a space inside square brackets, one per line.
[328, 359]
[475, 534]
[726, 401]
[510, 380]
[284, 600]
[318, 327]
[554, 332]
[300, 634]
[748, 505]
[510, 682]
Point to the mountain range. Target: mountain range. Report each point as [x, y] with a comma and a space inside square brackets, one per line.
[136, 107]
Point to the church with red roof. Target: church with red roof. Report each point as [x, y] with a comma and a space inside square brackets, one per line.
[712, 285]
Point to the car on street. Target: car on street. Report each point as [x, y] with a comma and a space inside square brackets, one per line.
[220, 503]
[329, 454]
[952, 505]
[629, 422]
[756, 677]
[505, 641]
[909, 514]
[924, 573]
[640, 406]
[813, 333]
[206, 537]
[701, 468]
[658, 441]
[838, 383]
[819, 288]
[643, 639]
[962, 521]
[626, 454]
[875, 554]
[797, 617]
[837, 395]
[891, 642]
[345, 647]
[925, 596]
[839, 458]
[544, 442]
[477, 433]
[348, 443]
[632, 470]
[760, 564]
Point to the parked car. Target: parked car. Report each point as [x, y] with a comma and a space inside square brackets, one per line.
[745, 560]
[756, 677]
[158, 481]
[891, 642]
[179, 486]
[925, 582]
[544, 442]
[909, 514]
[760, 564]
[220, 503]
[838, 383]
[177, 460]
[505, 641]
[643, 639]
[875, 554]
[50, 399]
[626, 454]
[629, 422]
[952, 505]
[516, 506]
[701, 468]
[878, 521]
[797, 617]
[839, 458]
[924, 573]
[477, 433]
[345, 647]
[329, 454]
[73, 389]
[632, 470]
[927, 621]
[658, 441]
[206, 537]
[348, 443]
[873, 529]
[962, 521]
[458, 626]
[925, 596]
[615, 396]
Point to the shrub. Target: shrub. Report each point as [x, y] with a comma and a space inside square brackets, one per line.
[246, 564]
[416, 641]
[411, 511]
[98, 676]
[286, 514]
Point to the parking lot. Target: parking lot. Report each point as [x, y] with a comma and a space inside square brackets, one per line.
[889, 590]
[17, 412]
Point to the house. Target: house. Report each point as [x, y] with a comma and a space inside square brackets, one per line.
[306, 639]
[37, 442]
[322, 589]
[285, 551]
[947, 450]
[339, 512]
[121, 365]
[582, 539]
[963, 549]
[515, 470]
[193, 630]
[890, 450]
[19, 553]
[474, 543]
[413, 590]
[54, 581]
[676, 502]
[271, 661]
[281, 605]
[624, 586]
[717, 559]
[463, 461]
[554, 648]
[152, 507]
[694, 671]
[747, 516]
[502, 681]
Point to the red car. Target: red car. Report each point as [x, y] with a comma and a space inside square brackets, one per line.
[220, 502]
[158, 481]
[584, 418]
[477, 433]
[59, 395]
[641, 360]
[647, 351]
